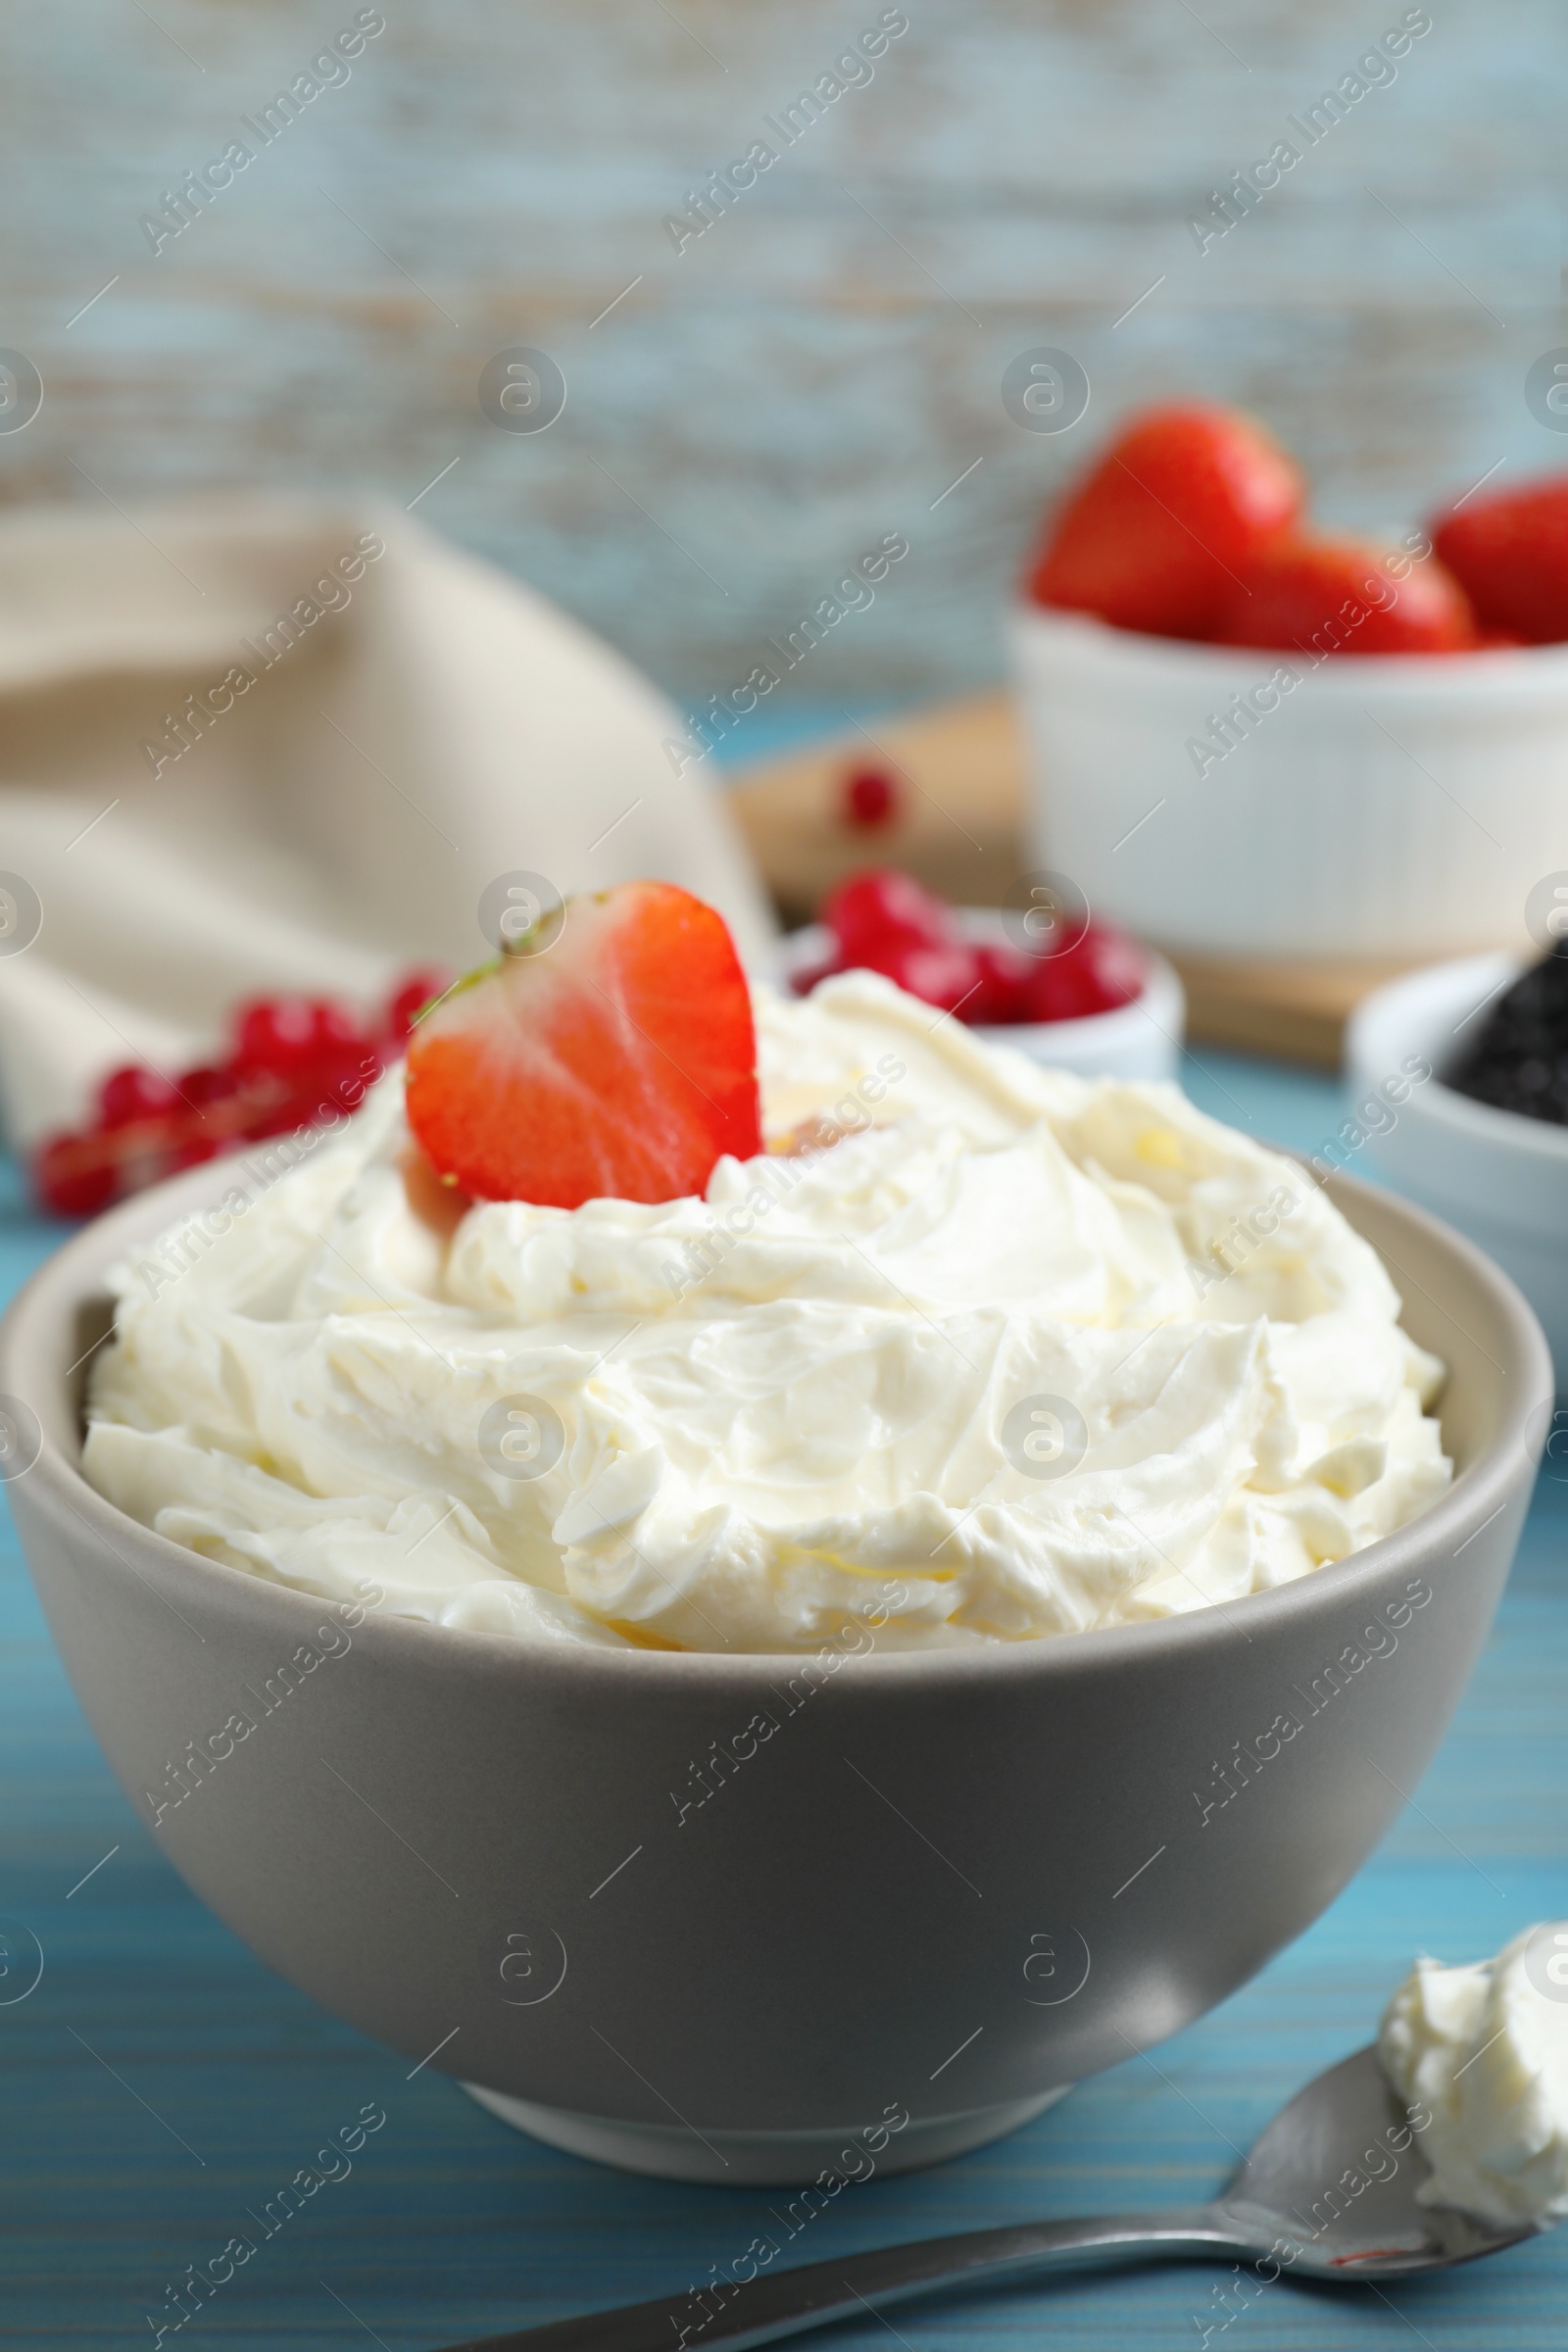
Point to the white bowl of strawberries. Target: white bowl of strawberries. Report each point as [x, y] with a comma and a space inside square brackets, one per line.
[1044, 976]
[1250, 737]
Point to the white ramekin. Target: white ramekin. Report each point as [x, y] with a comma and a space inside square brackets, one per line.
[1500, 1178]
[1385, 806]
[1139, 1039]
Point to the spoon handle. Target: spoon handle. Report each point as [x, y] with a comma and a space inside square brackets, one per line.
[728, 2316]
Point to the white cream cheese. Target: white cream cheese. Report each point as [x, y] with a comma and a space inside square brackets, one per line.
[1485, 2049]
[764, 1411]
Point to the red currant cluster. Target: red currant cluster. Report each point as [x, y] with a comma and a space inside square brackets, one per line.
[885, 922]
[292, 1061]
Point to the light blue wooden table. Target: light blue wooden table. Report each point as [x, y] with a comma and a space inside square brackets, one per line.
[159, 2080]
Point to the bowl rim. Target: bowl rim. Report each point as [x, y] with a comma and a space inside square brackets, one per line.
[1482, 673]
[1441, 1104]
[75, 1275]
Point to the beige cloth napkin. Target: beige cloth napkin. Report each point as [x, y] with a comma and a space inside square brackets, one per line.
[370, 739]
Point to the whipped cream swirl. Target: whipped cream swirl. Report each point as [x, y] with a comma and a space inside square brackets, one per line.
[1485, 2048]
[1001, 1350]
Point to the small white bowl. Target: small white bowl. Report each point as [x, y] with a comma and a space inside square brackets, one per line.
[1500, 1178]
[1387, 805]
[1139, 1039]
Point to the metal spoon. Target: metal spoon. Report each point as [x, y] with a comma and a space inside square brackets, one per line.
[1329, 2191]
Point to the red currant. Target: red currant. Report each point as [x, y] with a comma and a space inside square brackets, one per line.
[273, 1033]
[419, 989]
[209, 1082]
[335, 1084]
[132, 1093]
[334, 1028]
[882, 908]
[286, 1033]
[871, 798]
[1004, 977]
[1099, 972]
[1120, 967]
[945, 977]
[73, 1181]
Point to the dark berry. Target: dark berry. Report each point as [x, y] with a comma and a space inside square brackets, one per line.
[1519, 1060]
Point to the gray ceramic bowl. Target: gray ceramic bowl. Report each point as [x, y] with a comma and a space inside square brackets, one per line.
[924, 1893]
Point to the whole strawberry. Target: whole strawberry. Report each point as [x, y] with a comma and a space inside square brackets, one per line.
[1509, 552]
[1324, 596]
[1183, 499]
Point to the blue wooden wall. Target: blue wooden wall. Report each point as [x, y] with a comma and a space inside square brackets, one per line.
[814, 369]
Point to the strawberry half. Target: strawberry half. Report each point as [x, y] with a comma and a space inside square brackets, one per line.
[618, 1064]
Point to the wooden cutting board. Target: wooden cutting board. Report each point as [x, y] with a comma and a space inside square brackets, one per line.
[959, 827]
